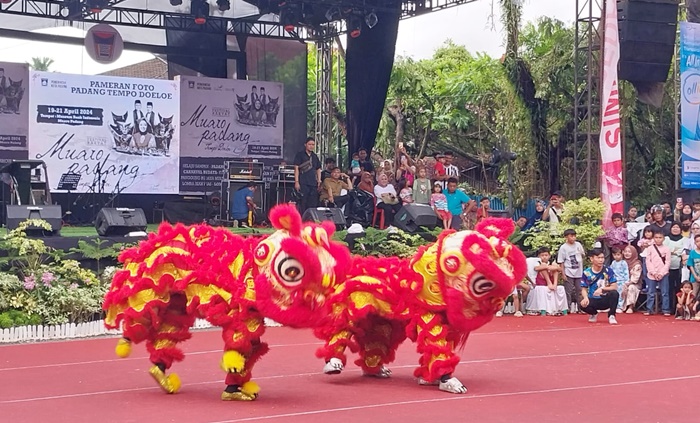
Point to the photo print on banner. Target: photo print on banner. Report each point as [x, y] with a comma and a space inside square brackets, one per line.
[14, 108]
[119, 134]
[226, 119]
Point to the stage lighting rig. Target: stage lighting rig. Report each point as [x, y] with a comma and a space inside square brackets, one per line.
[71, 9]
[371, 19]
[289, 16]
[96, 6]
[224, 5]
[200, 11]
[354, 26]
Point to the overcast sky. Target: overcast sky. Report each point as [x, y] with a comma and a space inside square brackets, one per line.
[471, 25]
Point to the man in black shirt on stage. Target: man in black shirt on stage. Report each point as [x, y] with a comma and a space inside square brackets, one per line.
[307, 175]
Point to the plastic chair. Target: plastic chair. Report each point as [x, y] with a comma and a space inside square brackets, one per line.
[378, 213]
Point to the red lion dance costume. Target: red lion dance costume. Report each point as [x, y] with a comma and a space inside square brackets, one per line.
[182, 273]
[299, 278]
[447, 290]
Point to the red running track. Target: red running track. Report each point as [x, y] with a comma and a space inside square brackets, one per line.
[535, 369]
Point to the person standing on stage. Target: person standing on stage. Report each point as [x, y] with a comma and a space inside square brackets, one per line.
[307, 175]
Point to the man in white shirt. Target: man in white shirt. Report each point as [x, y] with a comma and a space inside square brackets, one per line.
[451, 171]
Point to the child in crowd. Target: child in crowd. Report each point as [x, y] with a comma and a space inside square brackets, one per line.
[421, 187]
[483, 211]
[440, 173]
[438, 201]
[644, 243]
[686, 302]
[658, 267]
[696, 209]
[406, 193]
[570, 258]
[355, 169]
[549, 297]
[622, 274]
[617, 235]
[631, 289]
[693, 264]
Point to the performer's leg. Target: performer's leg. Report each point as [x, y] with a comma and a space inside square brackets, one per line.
[378, 339]
[333, 352]
[163, 345]
[242, 348]
[438, 360]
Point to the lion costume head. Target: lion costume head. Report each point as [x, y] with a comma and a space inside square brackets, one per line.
[471, 272]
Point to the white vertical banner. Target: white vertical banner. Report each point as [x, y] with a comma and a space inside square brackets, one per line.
[611, 183]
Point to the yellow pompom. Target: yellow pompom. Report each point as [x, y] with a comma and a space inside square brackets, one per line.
[174, 383]
[250, 388]
[232, 361]
[123, 348]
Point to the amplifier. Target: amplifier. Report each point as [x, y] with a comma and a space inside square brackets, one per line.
[286, 174]
[244, 171]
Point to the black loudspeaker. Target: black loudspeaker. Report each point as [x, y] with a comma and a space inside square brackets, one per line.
[51, 214]
[412, 216]
[647, 38]
[320, 214]
[120, 221]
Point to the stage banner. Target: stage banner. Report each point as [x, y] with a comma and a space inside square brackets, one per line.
[225, 119]
[690, 105]
[612, 189]
[119, 134]
[14, 108]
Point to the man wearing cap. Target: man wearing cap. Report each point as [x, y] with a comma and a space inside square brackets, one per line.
[570, 258]
[658, 220]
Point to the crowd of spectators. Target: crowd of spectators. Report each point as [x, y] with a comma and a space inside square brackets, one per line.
[646, 262]
[430, 182]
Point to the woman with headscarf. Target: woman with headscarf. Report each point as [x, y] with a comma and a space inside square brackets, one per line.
[632, 288]
[677, 244]
[537, 217]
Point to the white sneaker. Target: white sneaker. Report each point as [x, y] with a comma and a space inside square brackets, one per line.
[593, 318]
[499, 313]
[518, 314]
[612, 320]
[453, 386]
[333, 367]
[629, 311]
[619, 310]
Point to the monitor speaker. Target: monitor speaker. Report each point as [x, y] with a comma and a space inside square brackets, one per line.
[120, 221]
[412, 216]
[51, 214]
[320, 214]
[647, 38]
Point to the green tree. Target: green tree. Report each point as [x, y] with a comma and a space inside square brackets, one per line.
[41, 63]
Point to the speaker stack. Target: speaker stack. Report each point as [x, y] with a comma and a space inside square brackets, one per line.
[120, 221]
[51, 214]
[238, 175]
[321, 214]
[647, 39]
[411, 217]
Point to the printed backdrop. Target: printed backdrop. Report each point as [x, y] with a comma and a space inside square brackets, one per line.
[119, 134]
[14, 78]
[690, 104]
[223, 119]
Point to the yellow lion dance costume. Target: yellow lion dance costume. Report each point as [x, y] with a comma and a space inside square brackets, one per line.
[182, 273]
[301, 279]
[447, 290]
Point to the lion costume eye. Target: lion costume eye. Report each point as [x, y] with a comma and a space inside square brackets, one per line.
[481, 285]
[290, 271]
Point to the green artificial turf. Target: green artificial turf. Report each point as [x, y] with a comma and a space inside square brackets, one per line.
[75, 231]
